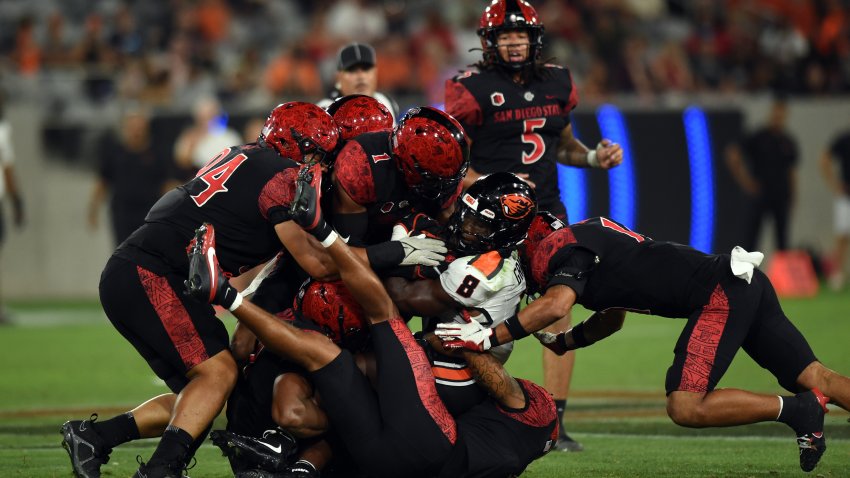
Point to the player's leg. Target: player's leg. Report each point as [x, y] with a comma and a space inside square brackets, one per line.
[557, 374]
[294, 407]
[838, 276]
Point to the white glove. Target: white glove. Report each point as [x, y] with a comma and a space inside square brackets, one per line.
[421, 250]
[471, 335]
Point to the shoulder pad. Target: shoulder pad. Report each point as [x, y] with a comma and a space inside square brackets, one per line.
[465, 74]
[354, 175]
[488, 263]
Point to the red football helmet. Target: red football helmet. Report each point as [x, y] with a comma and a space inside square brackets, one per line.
[544, 224]
[297, 129]
[330, 306]
[503, 15]
[432, 152]
[358, 114]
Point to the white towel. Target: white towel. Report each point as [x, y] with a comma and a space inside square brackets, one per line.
[744, 262]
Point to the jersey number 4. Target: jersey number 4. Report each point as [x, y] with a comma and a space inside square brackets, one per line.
[534, 139]
[215, 175]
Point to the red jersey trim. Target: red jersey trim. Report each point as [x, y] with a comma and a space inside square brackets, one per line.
[174, 317]
[703, 343]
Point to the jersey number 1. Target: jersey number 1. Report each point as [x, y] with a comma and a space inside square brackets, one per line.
[536, 141]
[622, 230]
[215, 177]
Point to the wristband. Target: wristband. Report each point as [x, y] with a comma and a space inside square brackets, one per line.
[385, 255]
[578, 336]
[236, 302]
[592, 160]
[494, 340]
[332, 237]
[515, 328]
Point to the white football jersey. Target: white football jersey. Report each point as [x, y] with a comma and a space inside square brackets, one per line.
[489, 287]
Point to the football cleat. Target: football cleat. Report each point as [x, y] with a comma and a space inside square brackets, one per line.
[159, 470]
[85, 447]
[812, 442]
[301, 469]
[271, 453]
[306, 208]
[565, 443]
[207, 282]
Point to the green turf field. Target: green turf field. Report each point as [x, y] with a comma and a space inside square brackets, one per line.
[63, 360]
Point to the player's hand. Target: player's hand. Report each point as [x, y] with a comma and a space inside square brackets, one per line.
[609, 154]
[553, 342]
[306, 208]
[422, 250]
[471, 335]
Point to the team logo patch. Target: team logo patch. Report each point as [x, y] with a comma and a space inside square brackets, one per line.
[497, 99]
[528, 96]
[515, 206]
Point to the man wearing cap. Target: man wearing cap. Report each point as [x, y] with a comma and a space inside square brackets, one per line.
[357, 74]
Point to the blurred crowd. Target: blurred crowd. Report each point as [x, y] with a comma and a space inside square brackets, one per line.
[75, 55]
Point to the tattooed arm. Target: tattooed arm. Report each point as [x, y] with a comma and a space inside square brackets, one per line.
[489, 374]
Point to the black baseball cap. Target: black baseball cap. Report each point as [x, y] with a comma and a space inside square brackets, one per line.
[355, 54]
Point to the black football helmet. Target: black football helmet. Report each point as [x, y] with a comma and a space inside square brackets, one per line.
[493, 214]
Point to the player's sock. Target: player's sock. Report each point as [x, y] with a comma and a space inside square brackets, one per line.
[560, 406]
[173, 447]
[199, 441]
[117, 430]
[804, 413]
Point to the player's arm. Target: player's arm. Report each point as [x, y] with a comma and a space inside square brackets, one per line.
[307, 251]
[350, 218]
[735, 163]
[541, 313]
[572, 152]
[489, 374]
[597, 327]
[421, 297]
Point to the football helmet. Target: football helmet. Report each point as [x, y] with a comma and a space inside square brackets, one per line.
[297, 129]
[358, 114]
[503, 15]
[544, 224]
[493, 214]
[332, 307]
[432, 152]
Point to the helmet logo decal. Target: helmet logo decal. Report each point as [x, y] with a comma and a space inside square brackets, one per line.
[488, 214]
[470, 201]
[515, 206]
[497, 98]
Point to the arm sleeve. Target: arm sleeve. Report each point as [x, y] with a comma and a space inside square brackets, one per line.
[570, 267]
[461, 104]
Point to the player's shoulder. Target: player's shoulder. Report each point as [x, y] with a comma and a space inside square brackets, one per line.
[353, 174]
[465, 75]
[487, 266]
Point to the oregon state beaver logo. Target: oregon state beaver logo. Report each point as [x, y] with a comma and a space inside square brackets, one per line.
[515, 206]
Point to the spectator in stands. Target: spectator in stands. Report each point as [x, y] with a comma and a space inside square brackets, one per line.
[205, 138]
[357, 73]
[8, 187]
[132, 172]
[839, 150]
[764, 165]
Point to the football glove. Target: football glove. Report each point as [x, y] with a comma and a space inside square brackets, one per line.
[306, 208]
[207, 282]
[422, 250]
[470, 335]
[555, 342]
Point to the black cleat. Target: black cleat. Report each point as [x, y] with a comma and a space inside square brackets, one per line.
[810, 439]
[306, 209]
[301, 469]
[159, 470]
[271, 453]
[85, 447]
[565, 443]
[207, 282]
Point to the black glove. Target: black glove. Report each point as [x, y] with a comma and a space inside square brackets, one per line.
[306, 208]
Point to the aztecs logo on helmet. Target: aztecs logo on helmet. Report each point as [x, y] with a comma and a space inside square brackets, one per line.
[332, 307]
[297, 130]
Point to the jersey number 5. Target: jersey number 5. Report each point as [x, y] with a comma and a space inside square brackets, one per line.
[536, 141]
[215, 175]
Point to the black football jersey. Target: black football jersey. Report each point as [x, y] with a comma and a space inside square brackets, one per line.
[494, 441]
[610, 266]
[367, 172]
[515, 127]
[244, 192]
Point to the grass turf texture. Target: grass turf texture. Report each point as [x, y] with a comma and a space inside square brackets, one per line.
[63, 361]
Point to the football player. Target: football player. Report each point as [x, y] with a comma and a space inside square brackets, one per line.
[729, 305]
[516, 109]
[246, 191]
[485, 283]
[379, 178]
[401, 428]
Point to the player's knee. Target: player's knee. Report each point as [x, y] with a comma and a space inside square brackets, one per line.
[685, 411]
